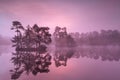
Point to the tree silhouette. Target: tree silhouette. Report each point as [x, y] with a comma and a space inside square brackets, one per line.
[62, 39]
[31, 54]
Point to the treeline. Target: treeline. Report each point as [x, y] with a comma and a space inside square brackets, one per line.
[104, 37]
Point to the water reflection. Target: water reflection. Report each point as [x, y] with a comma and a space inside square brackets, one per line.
[26, 61]
[110, 53]
[61, 55]
[82, 65]
[40, 63]
[32, 56]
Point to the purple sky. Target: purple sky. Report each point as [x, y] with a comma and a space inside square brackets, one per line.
[76, 15]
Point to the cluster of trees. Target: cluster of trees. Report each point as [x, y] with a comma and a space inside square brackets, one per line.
[105, 37]
[31, 47]
[32, 36]
[62, 38]
[31, 54]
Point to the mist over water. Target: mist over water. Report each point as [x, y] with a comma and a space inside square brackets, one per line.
[70, 56]
[83, 62]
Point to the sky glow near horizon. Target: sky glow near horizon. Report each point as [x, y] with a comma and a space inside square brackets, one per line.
[76, 15]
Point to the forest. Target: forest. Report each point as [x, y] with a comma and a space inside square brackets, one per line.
[31, 45]
[104, 37]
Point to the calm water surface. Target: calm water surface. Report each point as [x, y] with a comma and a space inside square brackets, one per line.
[86, 63]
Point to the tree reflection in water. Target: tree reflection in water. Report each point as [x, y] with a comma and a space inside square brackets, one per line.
[104, 53]
[31, 50]
[61, 56]
[64, 44]
[110, 53]
[31, 54]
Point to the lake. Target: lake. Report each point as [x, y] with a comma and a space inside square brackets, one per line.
[82, 63]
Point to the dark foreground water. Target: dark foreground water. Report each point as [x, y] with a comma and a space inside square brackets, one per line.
[83, 63]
